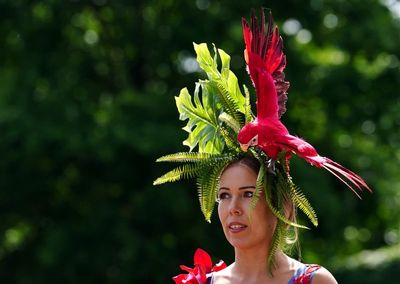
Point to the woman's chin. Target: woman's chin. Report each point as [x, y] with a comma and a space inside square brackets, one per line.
[239, 243]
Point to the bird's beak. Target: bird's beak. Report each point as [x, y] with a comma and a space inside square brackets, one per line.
[244, 147]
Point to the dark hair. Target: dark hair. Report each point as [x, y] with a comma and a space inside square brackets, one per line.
[248, 161]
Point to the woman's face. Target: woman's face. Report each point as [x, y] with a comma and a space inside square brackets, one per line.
[243, 227]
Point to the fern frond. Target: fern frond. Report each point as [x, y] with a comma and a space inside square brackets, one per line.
[276, 243]
[230, 121]
[277, 212]
[181, 172]
[259, 187]
[303, 204]
[208, 187]
[247, 107]
[229, 138]
[282, 181]
[229, 104]
[185, 157]
[298, 198]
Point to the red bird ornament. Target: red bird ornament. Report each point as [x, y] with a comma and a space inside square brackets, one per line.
[265, 63]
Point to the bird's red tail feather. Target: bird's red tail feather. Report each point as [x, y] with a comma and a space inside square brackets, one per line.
[305, 150]
[346, 176]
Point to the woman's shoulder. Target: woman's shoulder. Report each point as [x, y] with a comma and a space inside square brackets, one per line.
[323, 276]
[221, 276]
[312, 273]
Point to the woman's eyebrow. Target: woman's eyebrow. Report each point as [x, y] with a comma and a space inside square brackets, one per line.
[223, 187]
[247, 187]
[240, 188]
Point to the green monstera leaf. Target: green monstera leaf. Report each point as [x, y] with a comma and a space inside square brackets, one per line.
[224, 82]
[202, 124]
[214, 100]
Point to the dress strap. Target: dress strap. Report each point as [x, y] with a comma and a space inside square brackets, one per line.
[304, 274]
[210, 278]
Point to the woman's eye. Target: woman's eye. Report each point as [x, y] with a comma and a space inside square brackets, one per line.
[223, 195]
[248, 194]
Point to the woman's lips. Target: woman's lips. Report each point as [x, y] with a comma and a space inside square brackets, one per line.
[236, 227]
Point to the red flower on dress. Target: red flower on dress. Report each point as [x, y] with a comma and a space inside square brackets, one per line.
[305, 278]
[202, 267]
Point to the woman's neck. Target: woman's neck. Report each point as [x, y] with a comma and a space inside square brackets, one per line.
[254, 263]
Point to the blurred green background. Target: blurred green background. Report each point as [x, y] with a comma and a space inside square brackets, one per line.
[87, 104]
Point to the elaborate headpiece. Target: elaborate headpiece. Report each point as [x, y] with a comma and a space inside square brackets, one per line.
[223, 128]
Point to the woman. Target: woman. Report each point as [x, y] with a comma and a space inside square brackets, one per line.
[250, 232]
[243, 162]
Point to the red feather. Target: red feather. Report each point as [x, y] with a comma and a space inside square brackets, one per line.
[266, 62]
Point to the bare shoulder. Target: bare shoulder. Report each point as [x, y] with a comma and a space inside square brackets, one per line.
[223, 276]
[323, 276]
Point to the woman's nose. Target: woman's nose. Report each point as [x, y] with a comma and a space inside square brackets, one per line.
[235, 206]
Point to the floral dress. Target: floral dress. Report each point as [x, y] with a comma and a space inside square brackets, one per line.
[303, 275]
[202, 273]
